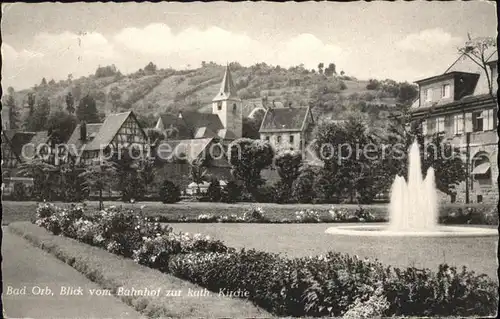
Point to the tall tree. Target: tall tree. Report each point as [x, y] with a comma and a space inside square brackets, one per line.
[70, 103]
[13, 109]
[87, 110]
[72, 182]
[146, 170]
[115, 97]
[342, 147]
[248, 158]
[77, 92]
[31, 102]
[330, 70]
[44, 177]
[97, 177]
[288, 164]
[150, 67]
[37, 120]
[128, 175]
[480, 50]
[60, 126]
[320, 67]
[198, 173]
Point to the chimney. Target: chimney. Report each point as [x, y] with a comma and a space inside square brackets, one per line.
[83, 131]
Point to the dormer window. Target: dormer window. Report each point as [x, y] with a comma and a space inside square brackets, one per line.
[219, 106]
[445, 91]
[428, 95]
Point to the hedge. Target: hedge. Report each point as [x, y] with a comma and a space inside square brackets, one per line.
[328, 285]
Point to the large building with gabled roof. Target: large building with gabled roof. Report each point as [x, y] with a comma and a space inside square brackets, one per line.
[461, 105]
[288, 127]
[89, 142]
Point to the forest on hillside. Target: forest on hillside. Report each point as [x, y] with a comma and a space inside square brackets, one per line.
[151, 91]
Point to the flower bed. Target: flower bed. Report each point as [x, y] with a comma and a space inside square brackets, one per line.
[258, 215]
[478, 214]
[330, 285]
[450, 215]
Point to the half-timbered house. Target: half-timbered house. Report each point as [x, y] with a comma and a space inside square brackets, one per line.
[119, 132]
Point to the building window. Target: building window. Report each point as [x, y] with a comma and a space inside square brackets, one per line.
[440, 124]
[234, 107]
[488, 120]
[291, 138]
[278, 139]
[219, 106]
[479, 198]
[428, 95]
[445, 91]
[424, 128]
[267, 138]
[481, 172]
[478, 121]
[458, 124]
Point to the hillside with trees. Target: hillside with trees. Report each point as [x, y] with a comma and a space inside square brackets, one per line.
[151, 91]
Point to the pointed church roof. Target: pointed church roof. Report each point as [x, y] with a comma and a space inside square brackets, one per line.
[227, 89]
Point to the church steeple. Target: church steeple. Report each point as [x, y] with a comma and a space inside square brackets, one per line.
[228, 107]
[227, 89]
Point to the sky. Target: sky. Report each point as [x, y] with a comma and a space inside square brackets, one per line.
[404, 41]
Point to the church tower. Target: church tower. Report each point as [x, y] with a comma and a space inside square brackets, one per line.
[228, 106]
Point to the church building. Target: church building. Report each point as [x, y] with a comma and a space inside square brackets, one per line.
[225, 122]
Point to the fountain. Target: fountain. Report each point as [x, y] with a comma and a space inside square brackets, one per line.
[413, 209]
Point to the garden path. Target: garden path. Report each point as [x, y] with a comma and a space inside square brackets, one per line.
[26, 266]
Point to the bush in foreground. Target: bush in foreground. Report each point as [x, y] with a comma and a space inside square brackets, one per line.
[334, 284]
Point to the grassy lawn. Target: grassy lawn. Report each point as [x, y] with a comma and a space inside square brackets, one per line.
[23, 211]
[296, 240]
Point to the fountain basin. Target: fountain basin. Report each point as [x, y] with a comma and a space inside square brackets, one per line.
[438, 231]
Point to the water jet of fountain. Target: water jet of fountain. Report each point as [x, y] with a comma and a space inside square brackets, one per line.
[413, 203]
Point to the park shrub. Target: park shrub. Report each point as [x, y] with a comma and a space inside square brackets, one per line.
[302, 187]
[470, 214]
[282, 192]
[169, 192]
[214, 191]
[255, 214]
[337, 284]
[20, 191]
[230, 193]
[122, 232]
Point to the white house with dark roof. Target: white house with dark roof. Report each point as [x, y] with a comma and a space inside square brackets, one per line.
[287, 128]
[462, 106]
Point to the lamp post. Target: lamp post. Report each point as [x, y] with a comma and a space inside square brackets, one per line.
[467, 165]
